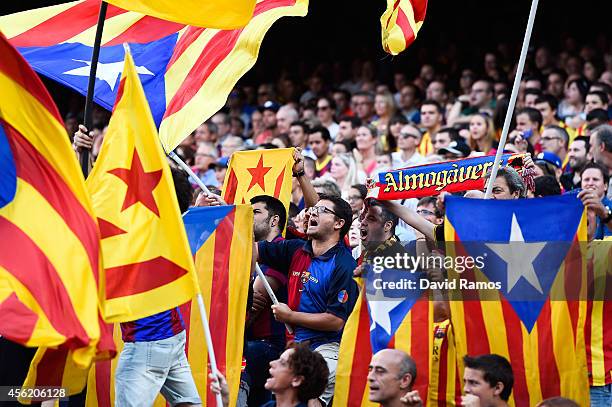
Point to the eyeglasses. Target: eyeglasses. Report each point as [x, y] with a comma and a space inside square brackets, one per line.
[406, 135]
[321, 209]
[424, 212]
[355, 198]
[322, 107]
[548, 138]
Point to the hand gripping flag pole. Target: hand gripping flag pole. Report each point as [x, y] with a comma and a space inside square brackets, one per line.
[260, 273]
[91, 84]
[513, 96]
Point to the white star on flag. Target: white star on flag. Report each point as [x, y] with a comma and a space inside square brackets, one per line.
[519, 256]
[380, 307]
[109, 73]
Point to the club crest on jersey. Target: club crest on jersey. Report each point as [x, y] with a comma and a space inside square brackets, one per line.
[342, 297]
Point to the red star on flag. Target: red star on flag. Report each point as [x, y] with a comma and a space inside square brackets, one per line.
[257, 174]
[140, 184]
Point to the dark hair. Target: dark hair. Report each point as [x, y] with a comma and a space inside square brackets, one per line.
[183, 189]
[582, 84]
[302, 124]
[585, 139]
[604, 87]
[312, 367]
[453, 133]
[320, 129]
[533, 114]
[434, 103]
[533, 91]
[557, 402]
[431, 200]
[561, 132]
[398, 118]
[548, 99]
[343, 211]
[212, 127]
[600, 116]
[546, 185]
[597, 166]
[601, 95]
[331, 101]
[369, 95]
[495, 368]
[604, 136]
[355, 121]
[274, 208]
[363, 191]
[533, 78]
[386, 214]
[513, 179]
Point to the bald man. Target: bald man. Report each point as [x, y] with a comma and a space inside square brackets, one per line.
[391, 376]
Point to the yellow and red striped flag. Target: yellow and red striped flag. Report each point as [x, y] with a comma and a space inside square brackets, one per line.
[221, 239]
[187, 72]
[529, 314]
[50, 257]
[400, 24]
[208, 13]
[413, 336]
[259, 172]
[598, 326]
[445, 382]
[147, 263]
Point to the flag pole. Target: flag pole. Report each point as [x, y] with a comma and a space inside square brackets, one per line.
[261, 275]
[95, 54]
[209, 344]
[513, 96]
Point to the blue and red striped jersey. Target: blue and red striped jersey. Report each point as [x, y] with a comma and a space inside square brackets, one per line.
[156, 327]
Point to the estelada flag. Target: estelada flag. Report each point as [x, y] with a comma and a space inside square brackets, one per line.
[147, 263]
[517, 298]
[187, 72]
[259, 172]
[379, 322]
[400, 24]
[50, 258]
[221, 240]
[207, 13]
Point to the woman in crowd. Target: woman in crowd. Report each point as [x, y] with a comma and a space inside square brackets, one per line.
[384, 106]
[356, 197]
[575, 94]
[344, 173]
[482, 134]
[367, 139]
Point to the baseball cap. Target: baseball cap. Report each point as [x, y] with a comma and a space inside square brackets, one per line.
[221, 162]
[269, 105]
[547, 157]
[458, 148]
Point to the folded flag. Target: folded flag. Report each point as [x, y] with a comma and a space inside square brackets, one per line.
[208, 13]
[259, 172]
[147, 261]
[400, 24]
[187, 72]
[432, 179]
[221, 239]
[514, 300]
[50, 258]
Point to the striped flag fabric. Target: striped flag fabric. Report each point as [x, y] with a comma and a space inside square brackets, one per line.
[50, 259]
[446, 382]
[598, 326]
[147, 264]
[531, 262]
[209, 13]
[400, 24]
[259, 172]
[362, 337]
[215, 235]
[187, 72]
[221, 240]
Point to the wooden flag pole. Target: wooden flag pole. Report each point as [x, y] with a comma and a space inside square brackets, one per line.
[95, 54]
[513, 96]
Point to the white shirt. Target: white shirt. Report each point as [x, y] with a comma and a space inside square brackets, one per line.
[398, 162]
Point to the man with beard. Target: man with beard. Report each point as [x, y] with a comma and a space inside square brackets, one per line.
[321, 290]
[576, 159]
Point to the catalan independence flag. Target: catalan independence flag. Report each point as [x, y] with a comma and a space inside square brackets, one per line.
[147, 263]
[259, 172]
[221, 241]
[209, 13]
[378, 323]
[400, 24]
[50, 257]
[446, 382]
[530, 262]
[187, 72]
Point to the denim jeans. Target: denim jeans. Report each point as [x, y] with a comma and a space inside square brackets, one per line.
[601, 396]
[148, 368]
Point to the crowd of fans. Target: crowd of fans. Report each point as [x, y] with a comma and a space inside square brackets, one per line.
[352, 129]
